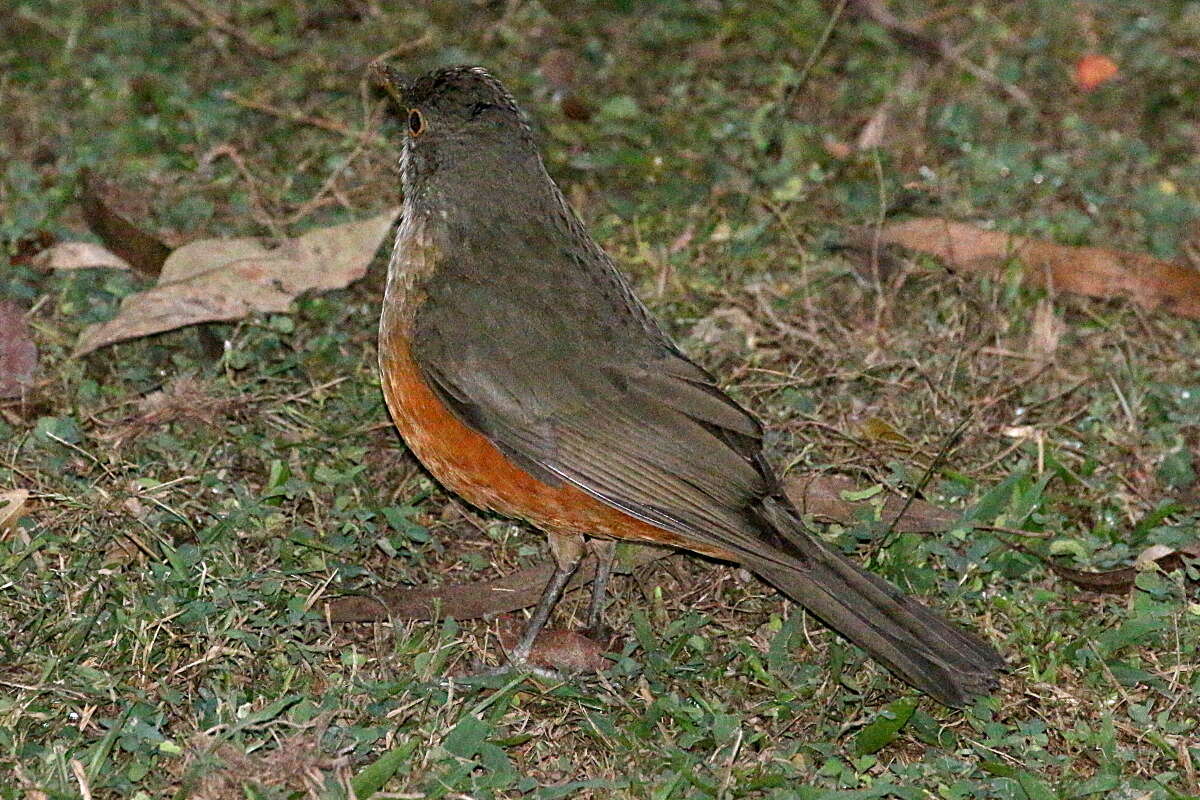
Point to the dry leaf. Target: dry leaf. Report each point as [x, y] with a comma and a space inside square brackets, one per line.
[876, 429]
[226, 279]
[297, 766]
[18, 353]
[1148, 558]
[110, 214]
[1020, 431]
[823, 496]
[576, 108]
[184, 399]
[1120, 580]
[79, 255]
[12, 507]
[555, 648]
[1093, 70]
[1090, 271]
[1045, 332]
[26, 249]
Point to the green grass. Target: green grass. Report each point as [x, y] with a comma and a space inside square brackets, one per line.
[160, 632]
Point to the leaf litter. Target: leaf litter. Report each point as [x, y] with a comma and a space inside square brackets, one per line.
[1091, 271]
[220, 280]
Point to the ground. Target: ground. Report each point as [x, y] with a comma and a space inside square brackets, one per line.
[191, 510]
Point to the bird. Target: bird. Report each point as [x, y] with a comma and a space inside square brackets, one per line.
[522, 370]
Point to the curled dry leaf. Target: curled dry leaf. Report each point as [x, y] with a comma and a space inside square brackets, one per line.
[1149, 557]
[215, 280]
[1090, 271]
[79, 255]
[556, 648]
[12, 508]
[25, 249]
[18, 353]
[1121, 580]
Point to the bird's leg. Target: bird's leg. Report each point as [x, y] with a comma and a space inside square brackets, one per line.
[568, 551]
[604, 550]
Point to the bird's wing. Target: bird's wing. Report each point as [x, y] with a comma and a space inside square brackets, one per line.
[630, 421]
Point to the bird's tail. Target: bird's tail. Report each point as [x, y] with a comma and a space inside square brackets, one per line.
[917, 644]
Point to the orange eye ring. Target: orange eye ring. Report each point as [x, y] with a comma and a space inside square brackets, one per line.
[416, 122]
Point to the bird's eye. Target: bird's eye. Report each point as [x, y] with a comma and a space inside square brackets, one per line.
[416, 122]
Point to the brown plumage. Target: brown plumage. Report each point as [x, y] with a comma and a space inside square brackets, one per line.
[525, 374]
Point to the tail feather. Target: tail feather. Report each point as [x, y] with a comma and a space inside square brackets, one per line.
[918, 644]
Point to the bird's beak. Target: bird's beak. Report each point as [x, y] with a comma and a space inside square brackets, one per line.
[389, 80]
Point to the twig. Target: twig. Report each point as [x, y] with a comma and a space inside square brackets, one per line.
[333, 126]
[328, 185]
[405, 47]
[984, 76]
[930, 47]
[259, 212]
[814, 56]
[214, 20]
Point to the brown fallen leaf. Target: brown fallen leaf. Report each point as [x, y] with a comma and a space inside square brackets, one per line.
[18, 353]
[1120, 580]
[217, 280]
[817, 494]
[1090, 271]
[823, 496]
[110, 213]
[297, 766]
[12, 508]
[79, 255]
[556, 648]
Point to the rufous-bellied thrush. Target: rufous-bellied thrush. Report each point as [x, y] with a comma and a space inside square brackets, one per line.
[525, 374]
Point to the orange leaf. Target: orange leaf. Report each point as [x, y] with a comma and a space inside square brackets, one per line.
[1093, 70]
